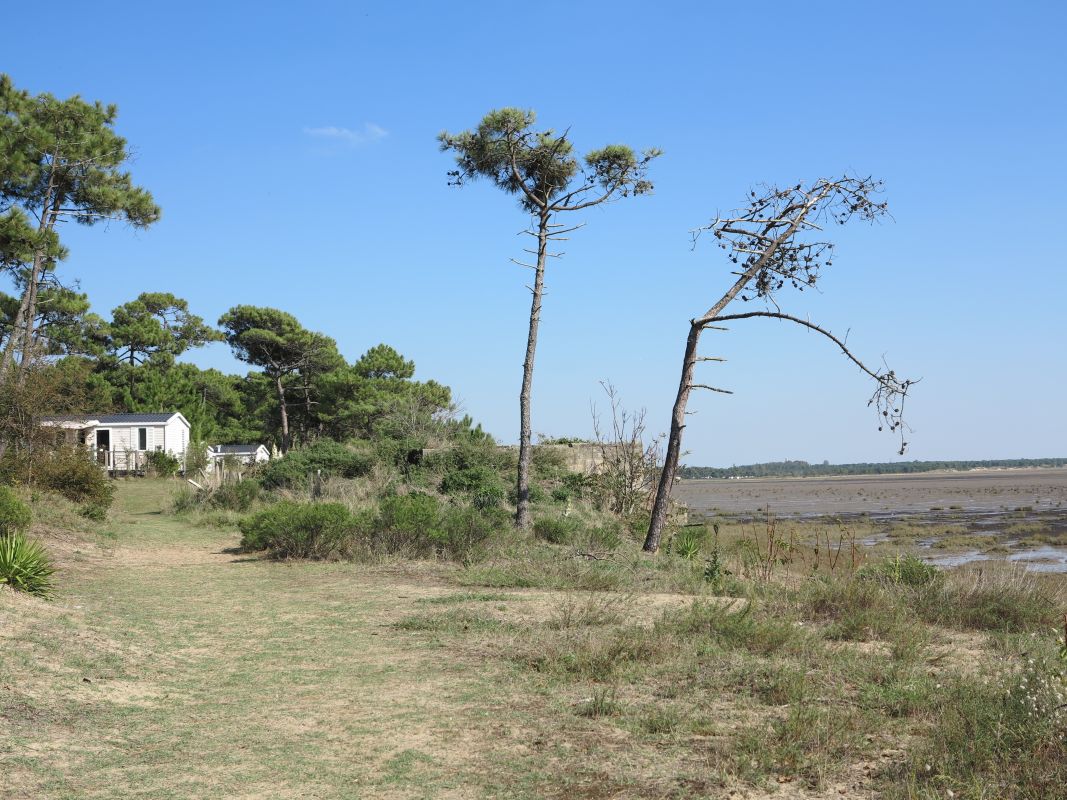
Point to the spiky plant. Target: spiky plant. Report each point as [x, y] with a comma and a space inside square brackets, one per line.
[25, 565]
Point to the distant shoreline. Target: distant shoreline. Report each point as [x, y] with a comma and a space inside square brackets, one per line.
[913, 474]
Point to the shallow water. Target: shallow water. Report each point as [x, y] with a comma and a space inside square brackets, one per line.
[956, 559]
[1042, 559]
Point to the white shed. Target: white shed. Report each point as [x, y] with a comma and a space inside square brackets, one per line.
[119, 442]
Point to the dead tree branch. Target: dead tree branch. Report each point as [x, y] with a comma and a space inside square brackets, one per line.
[774, 243]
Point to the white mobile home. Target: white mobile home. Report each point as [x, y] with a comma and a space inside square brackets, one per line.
[244, 453]
[120, 442]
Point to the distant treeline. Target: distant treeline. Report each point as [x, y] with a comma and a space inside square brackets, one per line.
[802, 469]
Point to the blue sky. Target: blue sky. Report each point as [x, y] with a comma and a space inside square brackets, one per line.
[292, 149]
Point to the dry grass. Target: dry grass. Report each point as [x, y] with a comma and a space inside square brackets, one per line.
[213, 675]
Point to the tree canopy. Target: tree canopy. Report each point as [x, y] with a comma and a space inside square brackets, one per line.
[59, 159]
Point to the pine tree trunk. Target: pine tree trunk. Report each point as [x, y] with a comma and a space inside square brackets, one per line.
[674, 443]
[284, 414]
[51, 214]
[28, 305]
[522, 511]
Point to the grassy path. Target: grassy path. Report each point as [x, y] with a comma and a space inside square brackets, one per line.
[170, 668]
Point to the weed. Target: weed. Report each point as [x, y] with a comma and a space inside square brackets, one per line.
[808, 742]
[728, 627]
[594, 611]
[469, 597]
[458, 620]
[1001, 598]
[601, 703]
[556, 530]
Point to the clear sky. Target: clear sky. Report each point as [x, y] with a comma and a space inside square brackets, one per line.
[292, 149]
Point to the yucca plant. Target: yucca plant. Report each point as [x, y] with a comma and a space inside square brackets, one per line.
[687, 543]
[25, 565]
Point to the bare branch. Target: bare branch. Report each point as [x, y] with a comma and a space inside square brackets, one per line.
[709, 388]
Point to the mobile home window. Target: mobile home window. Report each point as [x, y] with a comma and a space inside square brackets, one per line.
[142, 438]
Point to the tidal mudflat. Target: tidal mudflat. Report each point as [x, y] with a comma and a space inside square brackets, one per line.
[950, 518]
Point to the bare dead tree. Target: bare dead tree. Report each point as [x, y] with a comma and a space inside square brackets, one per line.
[776, 241]
[626, 475]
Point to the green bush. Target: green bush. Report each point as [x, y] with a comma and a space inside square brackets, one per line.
[301, 530]
[481, 482]
[994, 598]
[404, 452]
[185, 499]
[25, 565]
[856, 610]
[465, 453]
[734, 628]
[417, 525]
[162, 463]
[331, 458]
[95, 511]
[14, 514]
[537, 495]
[411, 515]
[465, 533]
[557, 530]
[196, 458]
[548, 463]
[71, 473]
[608, 536]
[235, 496]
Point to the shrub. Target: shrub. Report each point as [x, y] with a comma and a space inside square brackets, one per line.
[481, 482]
[185, 499]
[537, 495]
[235, 496]
[548, 463]
[14, 514]
[331, 458]
[301, 530]
[464, 454]
[608, 536]
[162, 463]
[25, 565]
[71, 473]
[466, 532]
[410, 517]
[557, 530]
[196, 458]
[404, 452]
[856, 609]
[95, 511]
[418, 525]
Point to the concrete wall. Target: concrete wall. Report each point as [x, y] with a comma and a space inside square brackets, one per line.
[582, 457]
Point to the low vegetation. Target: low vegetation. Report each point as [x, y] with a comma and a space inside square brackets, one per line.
[24, 563]
[782, 653]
